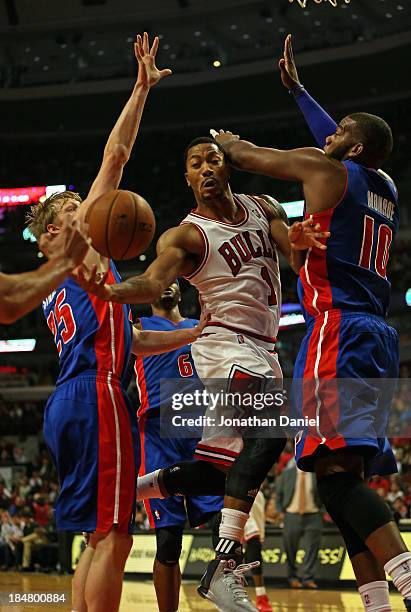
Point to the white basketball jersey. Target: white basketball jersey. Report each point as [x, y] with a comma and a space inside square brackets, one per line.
[239, 277]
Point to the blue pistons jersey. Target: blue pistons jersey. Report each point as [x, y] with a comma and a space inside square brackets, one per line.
[149, 370]
[89, 334]
[345, 293]
[158, 452]
[352, 273]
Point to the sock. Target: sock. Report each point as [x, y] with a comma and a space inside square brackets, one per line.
[375, 596]
[231, 531]
[147, 486]
[260, 591]
[399, 568]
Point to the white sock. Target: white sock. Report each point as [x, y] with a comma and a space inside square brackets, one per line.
[260, 591]
[375, 596]
[232, 524]
[147, 486]
[399, 568]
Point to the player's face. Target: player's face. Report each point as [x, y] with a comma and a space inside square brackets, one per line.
[169, 298]
[339, 144]
[67, 210]
[207, 172]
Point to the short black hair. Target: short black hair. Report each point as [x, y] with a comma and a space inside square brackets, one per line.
[376, 135]
[198, 141]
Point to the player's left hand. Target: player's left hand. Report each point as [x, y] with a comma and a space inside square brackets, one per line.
[148, 73]
[224, 138]
[198, 329]
[93, 281]
[306, 234]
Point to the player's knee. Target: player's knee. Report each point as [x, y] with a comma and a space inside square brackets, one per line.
[169, 542]
[193, 478]
[116, 543]
[337, 462]
[348, 499]
[252, 466]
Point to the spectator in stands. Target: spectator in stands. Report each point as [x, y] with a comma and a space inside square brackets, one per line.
[400, 509]
[35, 482]
[297, 497]
[24, 486]
[34, 535]
[16, 506]
[14, 537]
[41, 510]
[5, 496]
[395, 492]
[18, 455]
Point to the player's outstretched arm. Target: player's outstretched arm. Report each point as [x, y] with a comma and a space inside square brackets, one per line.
[155, 342]
[21, 293]
[178, 250]
[121, 140]
[293, 165]
[318, 120]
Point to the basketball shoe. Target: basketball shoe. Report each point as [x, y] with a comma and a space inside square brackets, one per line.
[224, 584]
[263, 604]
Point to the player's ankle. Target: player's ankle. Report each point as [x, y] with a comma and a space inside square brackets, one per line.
[399, 568]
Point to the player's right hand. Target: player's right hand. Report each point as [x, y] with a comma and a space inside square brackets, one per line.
[288, 69]
[148, 73]
[70, 243]
[93, 282]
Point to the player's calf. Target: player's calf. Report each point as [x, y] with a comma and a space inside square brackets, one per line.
[183, 478]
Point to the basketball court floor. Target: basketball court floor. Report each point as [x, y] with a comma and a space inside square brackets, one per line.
[139, 596]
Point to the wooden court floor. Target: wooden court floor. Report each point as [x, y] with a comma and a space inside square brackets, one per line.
[138, 596]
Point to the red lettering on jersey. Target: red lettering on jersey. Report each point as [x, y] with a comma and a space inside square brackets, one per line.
[383, 250]
[255, 252]
[367, 242]
[231, 257]
[62, 314]
[272, 298]
[241, 248]
[184, 366]
[267, 251]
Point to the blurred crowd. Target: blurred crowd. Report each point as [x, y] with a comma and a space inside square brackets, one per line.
[28, 537]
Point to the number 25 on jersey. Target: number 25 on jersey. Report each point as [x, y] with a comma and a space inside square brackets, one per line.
[61, 321]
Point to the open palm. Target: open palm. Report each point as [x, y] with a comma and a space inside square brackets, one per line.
[148, 73]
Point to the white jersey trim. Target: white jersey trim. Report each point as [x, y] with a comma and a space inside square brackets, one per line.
[238, 202]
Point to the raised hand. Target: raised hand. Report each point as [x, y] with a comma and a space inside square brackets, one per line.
[306, 234]
[288, 69]
[70, 243]
[148, 73]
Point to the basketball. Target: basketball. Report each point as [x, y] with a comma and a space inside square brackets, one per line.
[121, 224]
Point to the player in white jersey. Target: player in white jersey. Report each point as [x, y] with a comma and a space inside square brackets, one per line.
[226, 246]
[239, 286]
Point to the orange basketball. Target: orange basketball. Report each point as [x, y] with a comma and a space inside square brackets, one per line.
[121, 224]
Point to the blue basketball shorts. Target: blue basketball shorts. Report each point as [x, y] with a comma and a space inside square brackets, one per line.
[91, 431]
[362, 349]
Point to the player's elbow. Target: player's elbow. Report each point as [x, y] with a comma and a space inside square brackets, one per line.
[9, 311]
